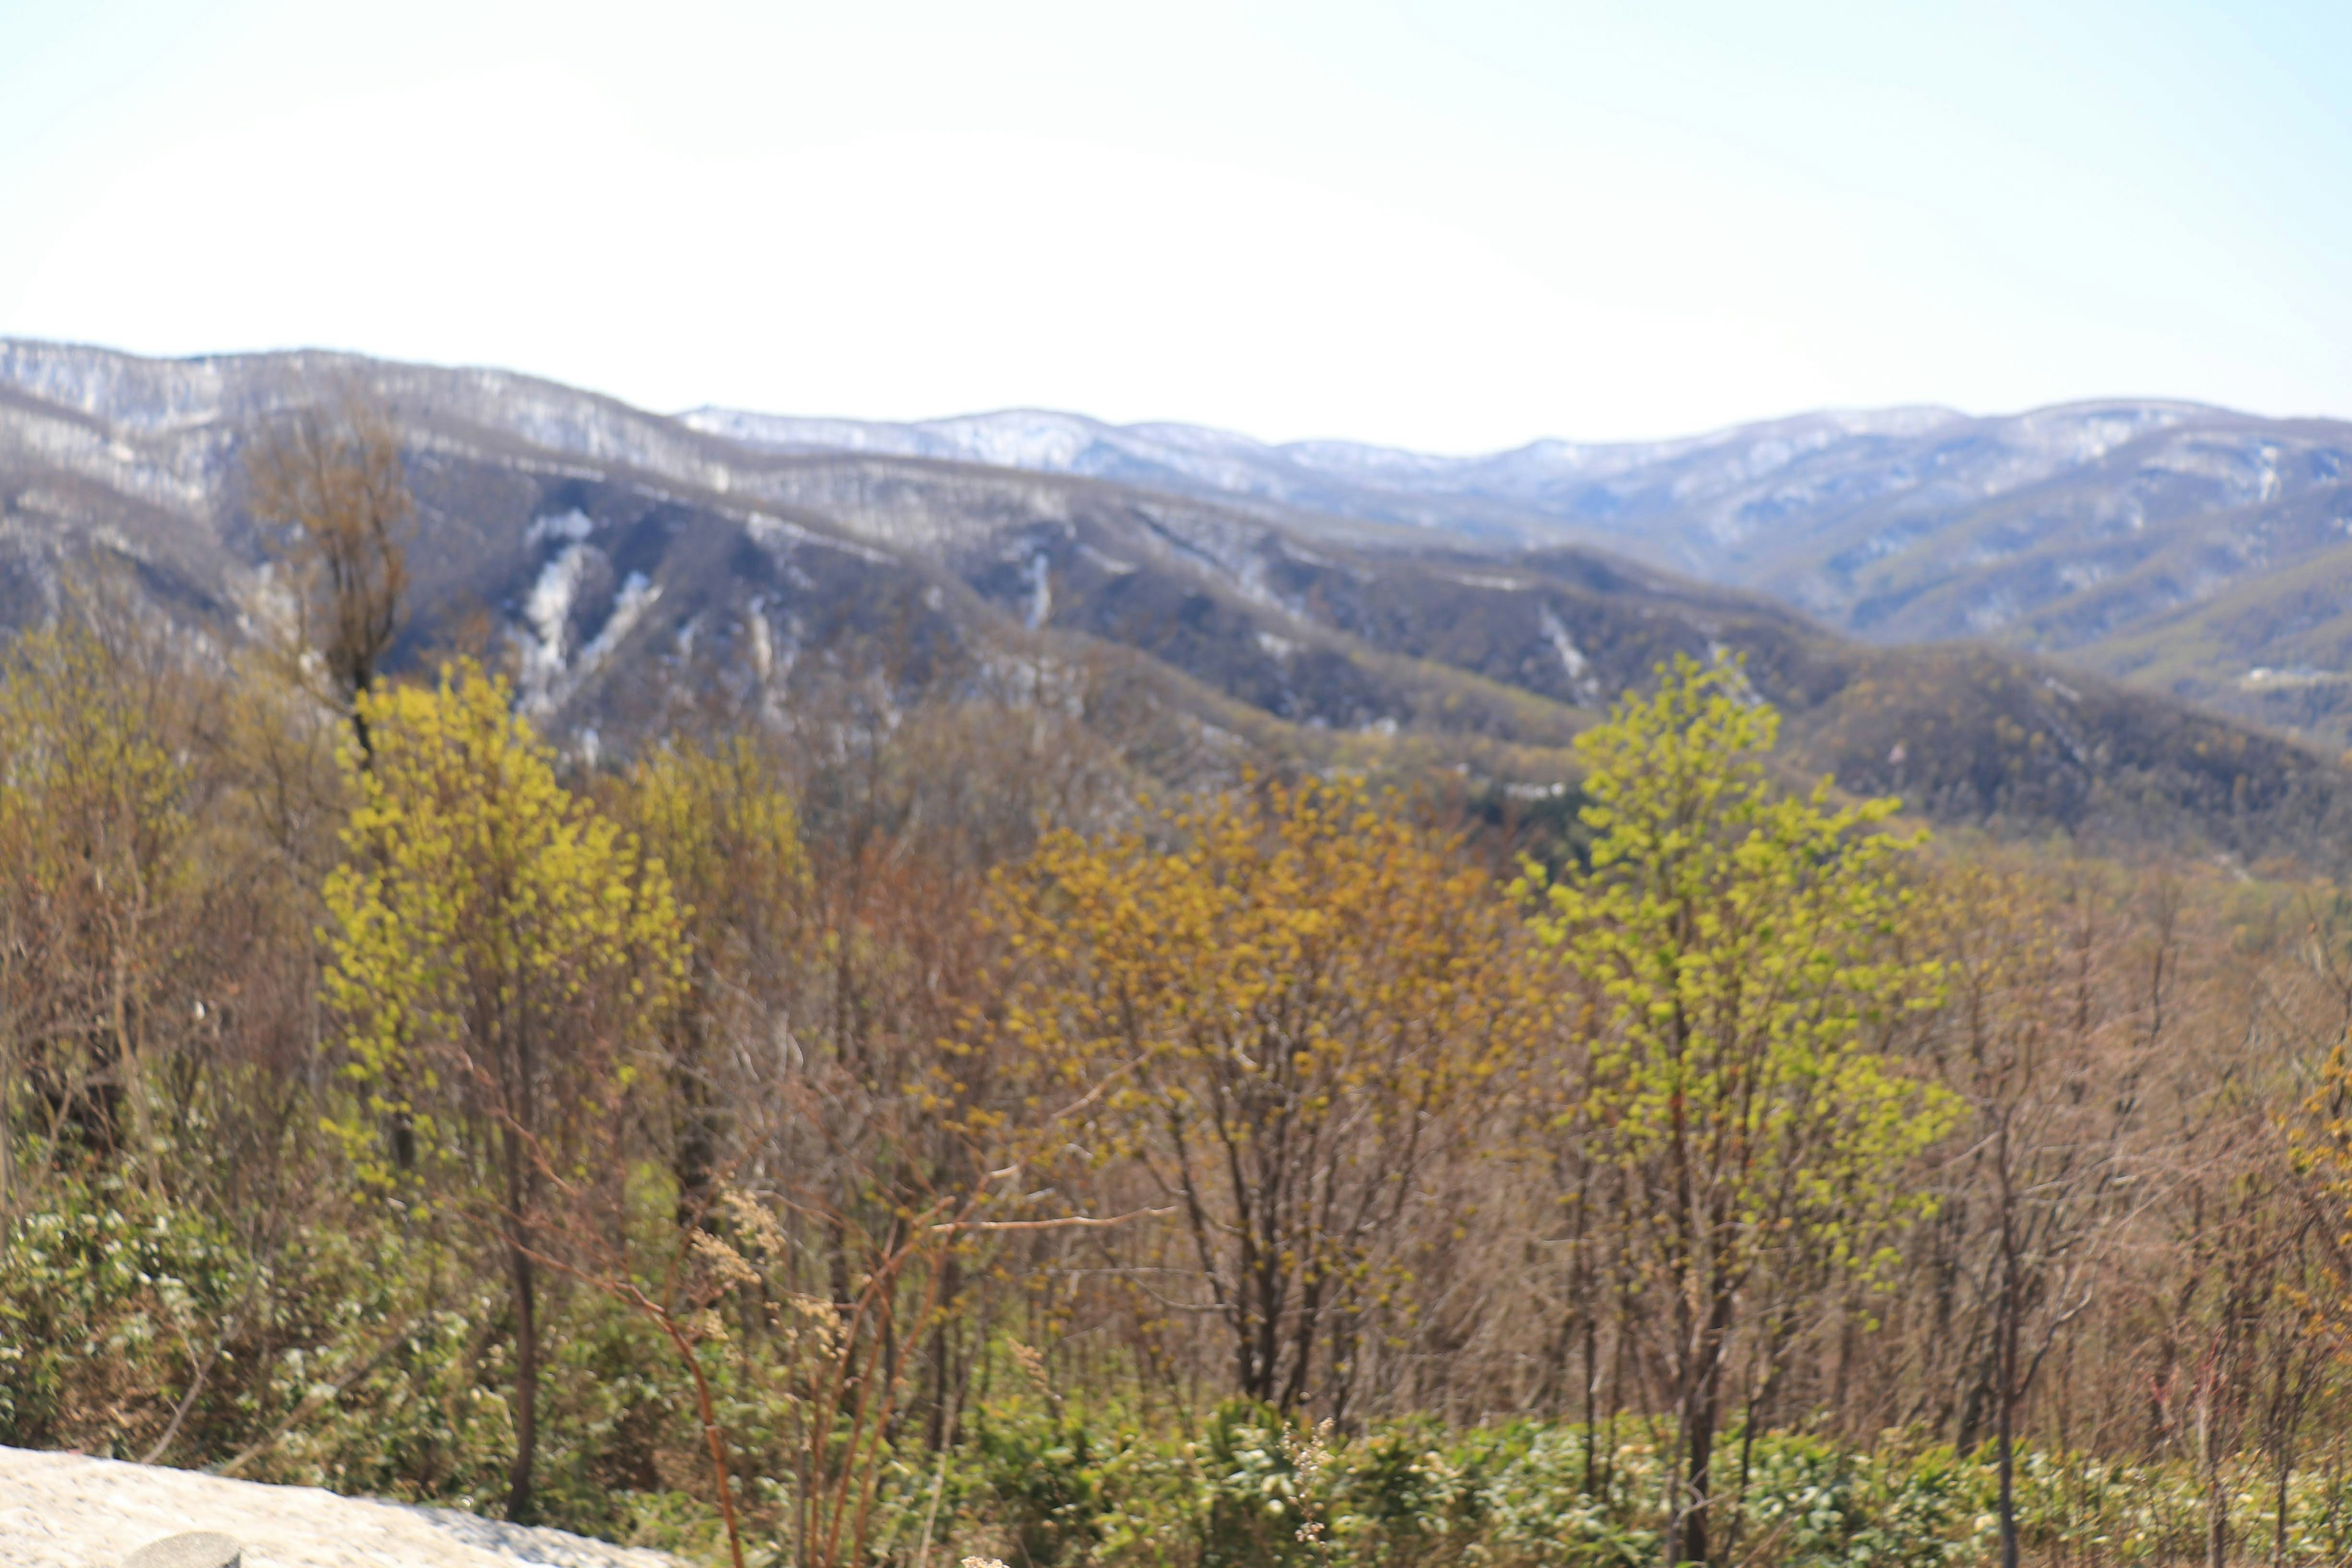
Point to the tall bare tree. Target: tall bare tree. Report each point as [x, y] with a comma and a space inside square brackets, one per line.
[2027, 1049]
[335, 476]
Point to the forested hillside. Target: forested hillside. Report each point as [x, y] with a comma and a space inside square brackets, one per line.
[635, 571]
[2184, 547]
[1113, 1032]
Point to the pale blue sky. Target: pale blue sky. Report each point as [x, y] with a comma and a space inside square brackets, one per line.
[1457, 226]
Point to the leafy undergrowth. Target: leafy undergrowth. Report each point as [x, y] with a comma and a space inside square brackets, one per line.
[1252, 1490]
[109, 1306]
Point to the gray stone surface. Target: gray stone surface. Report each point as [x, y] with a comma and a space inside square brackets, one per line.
[62, 1511]
[190, 1549]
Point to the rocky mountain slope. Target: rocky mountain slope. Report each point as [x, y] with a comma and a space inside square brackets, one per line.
[633, 567]
[2188, 549]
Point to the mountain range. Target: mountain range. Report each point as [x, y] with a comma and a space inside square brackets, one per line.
[2187, 549]
[1896, 582]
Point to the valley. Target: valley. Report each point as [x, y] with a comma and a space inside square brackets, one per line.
[1326, 603]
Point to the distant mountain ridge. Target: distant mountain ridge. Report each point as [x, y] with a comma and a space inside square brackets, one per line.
[2204, 552]
[635, 568]
[1354, 478]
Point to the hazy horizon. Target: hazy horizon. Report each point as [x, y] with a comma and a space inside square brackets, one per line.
[1452, 228]
[1148, 421]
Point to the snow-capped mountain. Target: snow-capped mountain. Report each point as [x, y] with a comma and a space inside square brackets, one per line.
[1316, 596]
[1757, 503]
[2201, 548]
[1512, 494]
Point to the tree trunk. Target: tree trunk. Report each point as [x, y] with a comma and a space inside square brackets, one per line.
[526, 1385]
[2217, 1502]
[2279, 1526]
[2004, 1464]
[7, 1128]
[1592, 1393]
[1698, 1447]
[1701, 1412]
[943, 1431]
[522, 1283]
[132, 1070]
[2005, 1422]
[699, 1118]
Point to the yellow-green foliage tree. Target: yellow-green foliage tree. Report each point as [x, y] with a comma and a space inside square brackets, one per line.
[1742, 946]
[723, 824]
[1270, 1015]
[502, 957]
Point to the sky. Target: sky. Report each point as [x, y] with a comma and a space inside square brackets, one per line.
[1455, 227]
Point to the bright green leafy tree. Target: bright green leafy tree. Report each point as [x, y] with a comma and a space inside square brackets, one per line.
[1742, 948]
[502, 957]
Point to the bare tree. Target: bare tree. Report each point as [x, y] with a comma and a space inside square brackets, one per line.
[336, 478]
[2025, 1052]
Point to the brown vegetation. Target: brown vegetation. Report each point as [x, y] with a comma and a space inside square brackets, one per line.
[908, 1075]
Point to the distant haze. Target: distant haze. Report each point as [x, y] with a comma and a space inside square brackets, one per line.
[1452, 227]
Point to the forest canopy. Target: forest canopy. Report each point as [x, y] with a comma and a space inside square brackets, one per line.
[924, 1132]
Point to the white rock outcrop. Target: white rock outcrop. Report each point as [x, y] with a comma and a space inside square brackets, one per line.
[63, 1510]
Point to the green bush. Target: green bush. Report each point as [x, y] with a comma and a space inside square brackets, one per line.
[106, 1302]
[374, 1360]
[1048, 1489]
